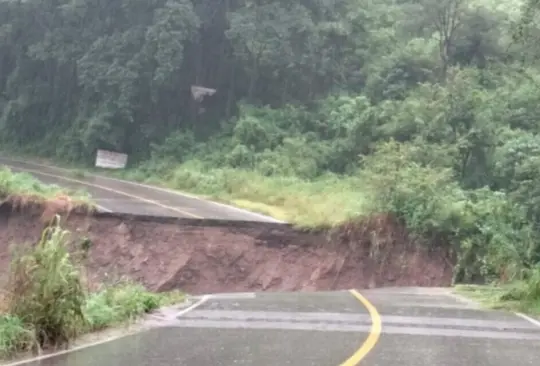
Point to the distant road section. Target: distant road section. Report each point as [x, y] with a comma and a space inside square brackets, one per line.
[121, 196]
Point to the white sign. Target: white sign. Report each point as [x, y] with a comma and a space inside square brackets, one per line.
[199, 92]
[111, 160]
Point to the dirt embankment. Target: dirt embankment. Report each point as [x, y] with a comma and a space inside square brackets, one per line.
[202, 256]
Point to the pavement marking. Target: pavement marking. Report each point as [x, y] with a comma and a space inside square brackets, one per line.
[182, 212]
[354, 329]
[374, 333]
[170, 191]
[349, 318]
[471, 303]
[104, 209]
[233, 296]
[529, 319]
[201, 301]
[60, 353]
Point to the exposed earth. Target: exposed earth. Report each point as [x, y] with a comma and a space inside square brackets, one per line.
[274, 325]
[206, 256]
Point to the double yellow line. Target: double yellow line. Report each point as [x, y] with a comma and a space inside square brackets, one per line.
[374, 333]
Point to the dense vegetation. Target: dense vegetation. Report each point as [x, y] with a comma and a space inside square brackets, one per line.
[323, 109]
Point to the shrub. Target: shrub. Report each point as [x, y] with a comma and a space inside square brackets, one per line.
[46, 289]
[15, 336]
[425, 198]
[112, 305]
[490, 233]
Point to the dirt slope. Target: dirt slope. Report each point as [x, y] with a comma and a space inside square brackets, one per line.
[202, 256]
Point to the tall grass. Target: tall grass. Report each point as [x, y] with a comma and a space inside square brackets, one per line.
[46, 289]
[328, 200]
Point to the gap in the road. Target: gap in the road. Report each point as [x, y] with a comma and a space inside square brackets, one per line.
[208, 256]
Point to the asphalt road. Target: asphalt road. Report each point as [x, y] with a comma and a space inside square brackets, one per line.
[128, 197]
[420, 327]
[378, 327]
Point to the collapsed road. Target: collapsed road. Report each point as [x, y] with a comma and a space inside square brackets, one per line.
[409, 326]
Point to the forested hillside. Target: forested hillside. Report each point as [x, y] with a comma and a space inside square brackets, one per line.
[321, 111]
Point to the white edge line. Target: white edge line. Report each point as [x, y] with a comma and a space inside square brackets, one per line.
[463, 299]
[39, 358]
[181, 194]
[529, 319]
[104, 209]
[201, 301]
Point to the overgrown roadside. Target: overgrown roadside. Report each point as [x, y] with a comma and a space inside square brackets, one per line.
[47, 300]
[519, 296]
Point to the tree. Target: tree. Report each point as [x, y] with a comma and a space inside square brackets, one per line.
[445, 16]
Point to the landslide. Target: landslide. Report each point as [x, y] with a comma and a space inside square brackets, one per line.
[203, 256]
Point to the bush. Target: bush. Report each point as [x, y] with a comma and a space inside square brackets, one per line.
[527, 290]
[425, 198]
[15, 336]
[46, 289]
[115, 304]
[490, 233]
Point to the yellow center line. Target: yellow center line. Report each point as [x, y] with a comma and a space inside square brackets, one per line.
[374, 333]
[182, 212]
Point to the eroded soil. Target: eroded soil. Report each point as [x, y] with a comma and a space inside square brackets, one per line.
[202, 256]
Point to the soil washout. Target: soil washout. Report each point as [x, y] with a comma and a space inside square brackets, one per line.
[204, 256]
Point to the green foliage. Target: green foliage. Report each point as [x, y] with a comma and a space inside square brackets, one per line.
[46, 290]
[15, 336]
[497, 242]
[521, 295]
[491, 234]
[525, 290]
[24, 184]
[119, 303]
[427, 199]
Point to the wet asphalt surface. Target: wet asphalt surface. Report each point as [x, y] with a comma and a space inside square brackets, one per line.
[420, 327]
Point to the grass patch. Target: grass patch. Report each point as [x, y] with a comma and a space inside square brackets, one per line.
[47, 303]
[518, 296]
[15, 335]
[124, 302]
[25, 185]
[328, 200]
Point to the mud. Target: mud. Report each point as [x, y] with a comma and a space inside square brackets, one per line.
[203, 256]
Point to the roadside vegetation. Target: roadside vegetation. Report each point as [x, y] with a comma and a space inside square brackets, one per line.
[520, 296]
[322, 112]
[23, 187]
[48, 300]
